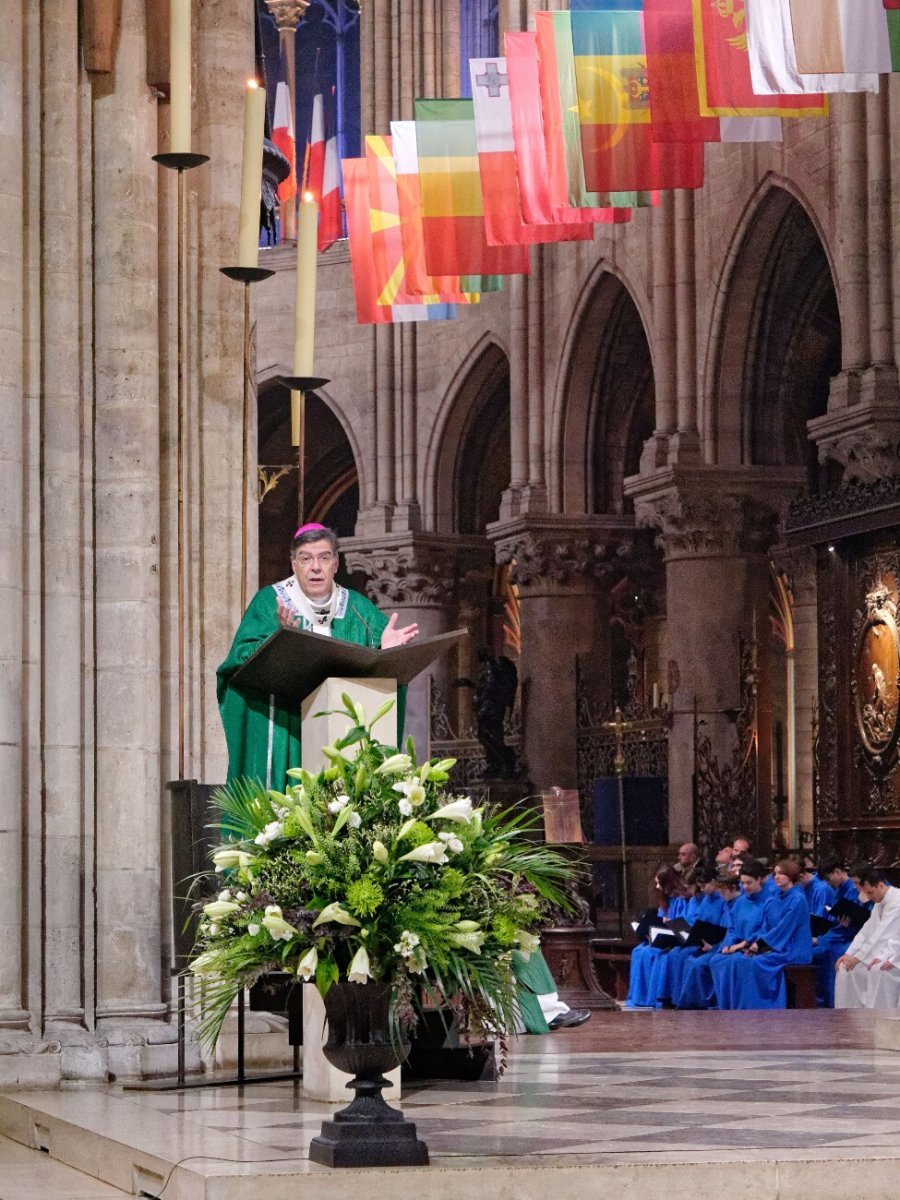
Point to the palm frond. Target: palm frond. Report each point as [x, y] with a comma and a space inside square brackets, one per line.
[246, 809]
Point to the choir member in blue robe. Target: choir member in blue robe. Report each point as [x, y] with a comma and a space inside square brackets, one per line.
[755, 979]
[745, 905]
[820, 895]
[830, 946]
[672, 900]
[668, 970]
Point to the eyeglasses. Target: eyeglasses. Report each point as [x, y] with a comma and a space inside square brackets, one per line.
[306, 560]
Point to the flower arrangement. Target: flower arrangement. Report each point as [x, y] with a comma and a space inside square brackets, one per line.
[372, 870]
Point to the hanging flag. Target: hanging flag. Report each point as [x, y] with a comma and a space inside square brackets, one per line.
[504, 223]
[409, 196]
[723, 68]
[532, 159]
[614, 107]
[453, 211]
[323, 176]
[559, 102]
[283, 137]
[773, 57]
[840, 35]
[370, 287]
[671, 69]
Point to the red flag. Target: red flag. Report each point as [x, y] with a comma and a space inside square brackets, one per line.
[532, 160]
[672, 70]
[723, 69]
[283, 137]
[323, 176]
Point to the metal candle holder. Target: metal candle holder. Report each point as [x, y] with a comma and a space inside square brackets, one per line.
[246, 276]
[302, 384]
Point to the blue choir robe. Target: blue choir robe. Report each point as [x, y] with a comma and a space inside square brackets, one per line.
[757, 981]
[820, 896]
[668, 970]
[770, 887]
[746, 915]
[643, 958]
[831, 945]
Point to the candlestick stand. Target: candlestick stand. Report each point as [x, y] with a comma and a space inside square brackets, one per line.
[246, 276]
[180, 162]
[300, 385]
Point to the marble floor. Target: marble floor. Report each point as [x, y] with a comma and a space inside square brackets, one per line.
[719, 1107]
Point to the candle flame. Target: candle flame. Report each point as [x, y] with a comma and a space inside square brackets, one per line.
[308, 197]
[252, 83]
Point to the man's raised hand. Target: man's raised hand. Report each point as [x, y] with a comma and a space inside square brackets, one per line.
[393, 636]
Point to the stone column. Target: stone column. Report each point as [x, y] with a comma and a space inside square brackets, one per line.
[12, 516]
[685, 446]
[65, 686]
[416, 575]
[559, 565]
[126, 520]
[518, 392]
[716, 526]
[656, 449]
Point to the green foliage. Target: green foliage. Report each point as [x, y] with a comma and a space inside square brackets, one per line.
[311, 877]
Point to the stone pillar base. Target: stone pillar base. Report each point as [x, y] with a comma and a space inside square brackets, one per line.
[887, 1031]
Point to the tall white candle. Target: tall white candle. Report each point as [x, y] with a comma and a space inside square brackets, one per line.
[251, 176]
[180, 76]
[305, 306]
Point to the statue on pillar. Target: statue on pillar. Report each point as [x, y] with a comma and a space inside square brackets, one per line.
[495, 694]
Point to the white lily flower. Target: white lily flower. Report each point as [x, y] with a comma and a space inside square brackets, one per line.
[468, 941]
[431, 852]
[225, 895]
[379, 852]
[405, 808]
[335, 912]
[404, 830]
[220, 908]
[204, 964]
[279, 929]
[306, 967]
[459, 809]
[359, 968]
[229, 859]
[397, 764]
[451, 841]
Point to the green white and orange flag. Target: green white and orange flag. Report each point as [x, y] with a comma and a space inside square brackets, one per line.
[372, 287]
[773, 55]
[562, 129]
[843, 35]
[723, 68]
[452, 206]
[614, 101]
[504, 222]
[529, 136]
[409, 196]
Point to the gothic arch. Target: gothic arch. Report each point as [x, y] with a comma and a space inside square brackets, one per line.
[484, 370]
[603, 404]
[774, 336]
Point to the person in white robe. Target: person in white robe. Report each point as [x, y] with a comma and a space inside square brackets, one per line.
[868, 973]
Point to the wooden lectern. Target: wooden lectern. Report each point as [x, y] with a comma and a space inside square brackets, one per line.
[314, 672]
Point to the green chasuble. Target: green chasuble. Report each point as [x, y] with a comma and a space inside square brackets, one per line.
[534, 979]
[263, 737]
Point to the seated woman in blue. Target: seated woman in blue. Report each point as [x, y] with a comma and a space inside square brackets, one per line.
[668, 970]
[672, 900]
[754, 978]
[746, 914]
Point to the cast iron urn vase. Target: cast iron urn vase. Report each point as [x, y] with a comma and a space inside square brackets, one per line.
[368, 1133]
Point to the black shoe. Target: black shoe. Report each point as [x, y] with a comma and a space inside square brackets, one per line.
[568, 1020]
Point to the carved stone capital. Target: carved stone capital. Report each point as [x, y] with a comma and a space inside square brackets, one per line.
[287, 13]
[703, 512]
[562, 549]
[861, 430]
[417, 570]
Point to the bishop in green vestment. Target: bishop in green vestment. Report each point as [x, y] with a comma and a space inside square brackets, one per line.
[262, 735]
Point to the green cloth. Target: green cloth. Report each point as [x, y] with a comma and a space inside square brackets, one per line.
[534, 979]
[263, 737]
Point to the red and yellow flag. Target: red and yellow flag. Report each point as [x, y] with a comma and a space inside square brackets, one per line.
[672, 72]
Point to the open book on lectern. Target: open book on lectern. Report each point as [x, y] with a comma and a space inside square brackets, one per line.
[292, 663]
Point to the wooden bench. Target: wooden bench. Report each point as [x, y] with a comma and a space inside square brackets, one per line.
[611, 958]
[800, 984]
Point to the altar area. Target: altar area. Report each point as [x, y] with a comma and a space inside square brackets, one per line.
[635, 1104]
